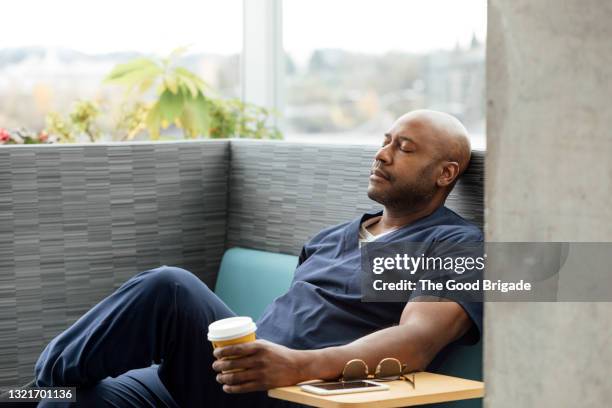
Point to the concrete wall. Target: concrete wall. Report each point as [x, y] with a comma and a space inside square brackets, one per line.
[549, 178]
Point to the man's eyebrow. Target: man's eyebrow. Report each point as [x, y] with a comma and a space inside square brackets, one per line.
[406, 139]
[402, 138]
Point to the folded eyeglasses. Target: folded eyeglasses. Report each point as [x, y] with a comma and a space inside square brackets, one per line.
[389, 369]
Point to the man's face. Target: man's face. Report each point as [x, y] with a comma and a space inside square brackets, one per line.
[406, 167]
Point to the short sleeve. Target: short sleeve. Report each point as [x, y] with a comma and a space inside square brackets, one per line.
[460, 245]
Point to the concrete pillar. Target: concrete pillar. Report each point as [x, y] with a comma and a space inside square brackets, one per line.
[549, 178]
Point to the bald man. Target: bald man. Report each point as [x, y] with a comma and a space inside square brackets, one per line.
[161, 316]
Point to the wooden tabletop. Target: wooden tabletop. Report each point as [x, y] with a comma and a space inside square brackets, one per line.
[430, 388]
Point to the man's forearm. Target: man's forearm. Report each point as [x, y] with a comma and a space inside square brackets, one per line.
[401, 342]
[425, 327]
[423, 331]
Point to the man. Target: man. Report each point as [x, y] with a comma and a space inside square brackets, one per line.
[161, 316]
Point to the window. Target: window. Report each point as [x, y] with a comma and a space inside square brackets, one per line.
[59, 51]
[352, 67]
[349, 68]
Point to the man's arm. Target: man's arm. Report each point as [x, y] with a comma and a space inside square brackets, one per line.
[424, 329]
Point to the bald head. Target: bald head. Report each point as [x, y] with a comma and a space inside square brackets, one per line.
[422, 156]
[444, 132]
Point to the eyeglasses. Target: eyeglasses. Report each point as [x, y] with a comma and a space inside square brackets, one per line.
[389, 369]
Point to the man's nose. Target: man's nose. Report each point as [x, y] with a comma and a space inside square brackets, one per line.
[384, 155]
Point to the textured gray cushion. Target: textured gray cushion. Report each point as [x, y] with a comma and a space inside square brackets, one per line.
[283, 193]
[76, 222]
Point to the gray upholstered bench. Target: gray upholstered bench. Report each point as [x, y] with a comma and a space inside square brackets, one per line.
[78, 220]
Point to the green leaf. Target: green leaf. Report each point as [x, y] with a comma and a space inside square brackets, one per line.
[146, 84]
[170, 105]
[189, 85]
[153, 121]
[198, 117]
[142, 79]
[187, 121]
[171, 84]
[138, 64]
[186, 75]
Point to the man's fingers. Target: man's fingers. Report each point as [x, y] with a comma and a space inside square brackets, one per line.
[238, 377]
[236, 363]
[243, 349]
[246, 387]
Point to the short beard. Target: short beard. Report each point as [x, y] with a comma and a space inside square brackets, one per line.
[414, 195]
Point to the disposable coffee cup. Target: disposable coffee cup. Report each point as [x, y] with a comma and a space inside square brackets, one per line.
[230, 331]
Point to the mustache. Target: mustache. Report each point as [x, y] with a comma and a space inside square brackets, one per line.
[377, 169]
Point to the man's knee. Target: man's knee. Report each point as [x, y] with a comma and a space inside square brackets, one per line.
[167, 278]
[191, 297]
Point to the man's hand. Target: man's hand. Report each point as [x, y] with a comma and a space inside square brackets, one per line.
[265, 365]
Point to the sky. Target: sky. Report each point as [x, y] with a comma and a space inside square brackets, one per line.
[215, 26]
[379, 26]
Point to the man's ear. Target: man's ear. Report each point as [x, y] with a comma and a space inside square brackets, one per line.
[449, 174]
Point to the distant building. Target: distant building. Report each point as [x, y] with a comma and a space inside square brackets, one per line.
[455, 83]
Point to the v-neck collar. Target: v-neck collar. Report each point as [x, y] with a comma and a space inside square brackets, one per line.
[351, 235]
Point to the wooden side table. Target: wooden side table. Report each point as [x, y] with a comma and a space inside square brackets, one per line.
[430, 388]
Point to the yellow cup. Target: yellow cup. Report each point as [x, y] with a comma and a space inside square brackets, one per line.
[230, 331]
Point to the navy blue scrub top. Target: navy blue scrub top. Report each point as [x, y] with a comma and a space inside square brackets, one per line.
[323, 306]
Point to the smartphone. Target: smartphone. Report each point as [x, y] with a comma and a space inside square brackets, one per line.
[345, 387]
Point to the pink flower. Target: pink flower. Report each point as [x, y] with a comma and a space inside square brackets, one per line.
[43, 137]
[4, 136]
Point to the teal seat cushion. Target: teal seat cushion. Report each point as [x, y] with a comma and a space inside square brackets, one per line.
[250, 280]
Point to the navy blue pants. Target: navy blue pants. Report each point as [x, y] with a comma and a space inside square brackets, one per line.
[144, 346]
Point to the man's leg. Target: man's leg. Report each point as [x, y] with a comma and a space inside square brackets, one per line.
[142, 388]
[159, 316]
[134, 389]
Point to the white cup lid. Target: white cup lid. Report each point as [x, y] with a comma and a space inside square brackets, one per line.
[231, 328]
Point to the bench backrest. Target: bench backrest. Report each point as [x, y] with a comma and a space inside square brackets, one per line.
[282, 193]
